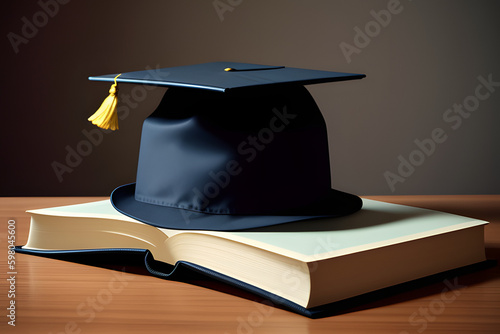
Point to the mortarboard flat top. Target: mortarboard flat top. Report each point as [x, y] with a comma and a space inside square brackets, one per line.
[225, 76]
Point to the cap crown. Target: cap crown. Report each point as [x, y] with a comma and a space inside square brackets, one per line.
[258, 151]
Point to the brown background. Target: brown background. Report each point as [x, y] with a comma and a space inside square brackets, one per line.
[426, 59]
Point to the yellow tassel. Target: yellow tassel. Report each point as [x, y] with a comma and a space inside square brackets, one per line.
[106, 117]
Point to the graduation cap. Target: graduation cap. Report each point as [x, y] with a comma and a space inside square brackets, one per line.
[231, 146]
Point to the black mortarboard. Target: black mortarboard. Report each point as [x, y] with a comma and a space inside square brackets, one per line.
[227, 76]
[232, 146]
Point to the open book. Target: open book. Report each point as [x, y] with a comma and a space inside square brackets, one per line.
[308, 263]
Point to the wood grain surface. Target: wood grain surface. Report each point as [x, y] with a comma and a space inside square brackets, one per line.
[54, 296]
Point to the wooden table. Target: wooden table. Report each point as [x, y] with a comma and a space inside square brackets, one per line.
[53, 296]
